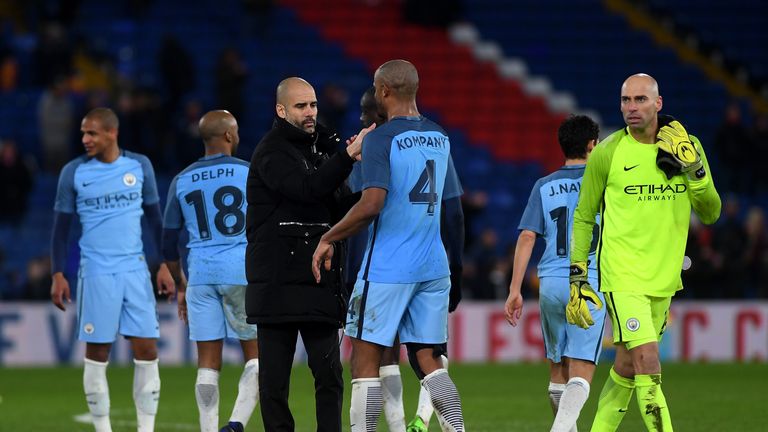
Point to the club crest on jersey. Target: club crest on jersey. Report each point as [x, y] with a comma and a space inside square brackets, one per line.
[633, 324]
[88, 328]
[129, 179]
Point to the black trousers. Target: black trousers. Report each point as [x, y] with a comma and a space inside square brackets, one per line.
[277, 344]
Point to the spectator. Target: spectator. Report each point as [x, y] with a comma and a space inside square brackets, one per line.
[177, 71]
[473, 204]
[15, 183]
[756, 254]
[730, 241]
[187, 140]
[483, 284]
[731, 141]
[759, 136]
[38, 284]
[55, 113]
[334, 101]
[699, 278]
[231, 77]
[53, 55]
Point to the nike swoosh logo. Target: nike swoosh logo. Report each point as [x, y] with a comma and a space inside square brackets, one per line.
[88, 184]
[622, 410]
[630, 168]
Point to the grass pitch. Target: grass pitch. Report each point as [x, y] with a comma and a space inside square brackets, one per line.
[710, 397]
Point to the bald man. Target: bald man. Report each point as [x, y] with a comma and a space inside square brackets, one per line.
[208, 200]
[645, 208]
[404, 285]
[294, 194]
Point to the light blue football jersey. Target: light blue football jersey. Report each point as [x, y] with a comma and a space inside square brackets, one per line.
[549, 213]
[208, 199]
[108, 199]
[410, 158]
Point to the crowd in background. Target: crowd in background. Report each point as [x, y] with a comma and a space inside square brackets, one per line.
[729, 259]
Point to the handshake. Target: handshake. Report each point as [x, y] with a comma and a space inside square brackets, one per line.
[355, 142]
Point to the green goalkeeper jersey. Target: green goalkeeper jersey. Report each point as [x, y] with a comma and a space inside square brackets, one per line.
[644, 215]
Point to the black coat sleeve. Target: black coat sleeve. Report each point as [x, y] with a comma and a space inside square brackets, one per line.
[290, 177]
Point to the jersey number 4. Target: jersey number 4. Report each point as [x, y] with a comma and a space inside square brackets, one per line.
[424, 191]
[226, 212]
[560, 217]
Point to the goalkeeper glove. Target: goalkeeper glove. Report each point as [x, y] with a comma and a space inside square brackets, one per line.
[577, 309]
[677, 154]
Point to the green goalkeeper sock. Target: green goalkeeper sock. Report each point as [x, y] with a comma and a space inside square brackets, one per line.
[653, 405]
[613, 403]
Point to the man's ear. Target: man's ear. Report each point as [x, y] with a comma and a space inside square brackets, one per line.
[280, 110]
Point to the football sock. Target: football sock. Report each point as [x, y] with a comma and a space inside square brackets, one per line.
[613, 403]
[97, 393]
[392, 395]
[146, 393]
[366, 404]
[445, 399]
[207, 397]
[555, 391]
[573, 398]
[247, 393]
[653, 405]
[425, 409]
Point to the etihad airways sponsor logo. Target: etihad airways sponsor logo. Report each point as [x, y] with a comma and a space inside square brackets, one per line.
[656, 192]
[113, 200]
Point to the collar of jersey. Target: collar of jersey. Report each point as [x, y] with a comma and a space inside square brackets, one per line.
[569, 167]
[213, 156]
[411, 118]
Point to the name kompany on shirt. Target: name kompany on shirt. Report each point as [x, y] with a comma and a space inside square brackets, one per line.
[410, 158]
[208, 199]
[108, 199]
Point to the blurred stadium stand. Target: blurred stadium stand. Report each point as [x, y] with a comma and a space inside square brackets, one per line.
[502, 122]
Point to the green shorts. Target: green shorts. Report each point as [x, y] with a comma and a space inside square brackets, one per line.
[637, 319]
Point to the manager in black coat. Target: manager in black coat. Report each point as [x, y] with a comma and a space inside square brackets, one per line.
[294, 194]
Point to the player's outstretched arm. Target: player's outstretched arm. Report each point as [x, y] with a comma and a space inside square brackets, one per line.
[513, 308]
[358, 217]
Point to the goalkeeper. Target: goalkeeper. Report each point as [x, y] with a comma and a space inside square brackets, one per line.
[643, 180]
[572, 351]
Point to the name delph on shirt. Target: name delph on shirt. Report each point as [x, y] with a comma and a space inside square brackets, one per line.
[212, 174]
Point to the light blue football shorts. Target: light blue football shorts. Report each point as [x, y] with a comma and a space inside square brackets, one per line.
[216, 312]
[109, 304]
[560, 338]
[417, 312]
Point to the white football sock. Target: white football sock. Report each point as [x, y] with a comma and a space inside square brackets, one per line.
[555, 392]
[366, 404]
[146, 393]
[425, 409]
[445, 399]
[247, 393]
[575, 394]
[207, 397]
[392, 393]
[97, 393]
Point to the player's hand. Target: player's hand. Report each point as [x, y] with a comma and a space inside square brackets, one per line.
[323, 254]
[355, 144]
[181, 297]
[677, 154]
[60, 291]
[513, 308]
[577, 309]
[165, 283]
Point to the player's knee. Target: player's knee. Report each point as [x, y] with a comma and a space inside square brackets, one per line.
[437, 353]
